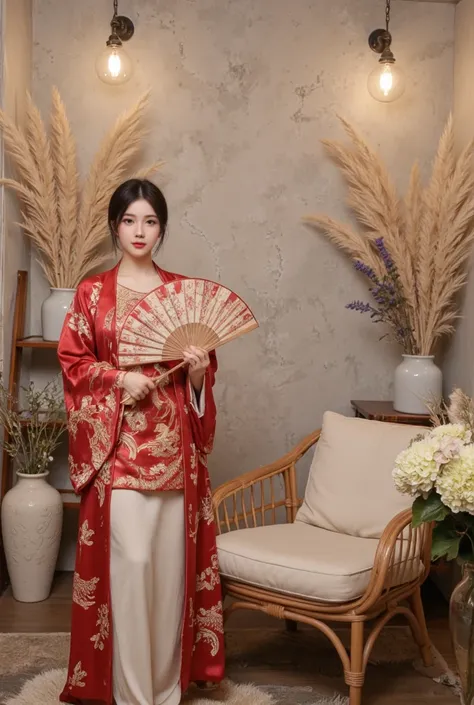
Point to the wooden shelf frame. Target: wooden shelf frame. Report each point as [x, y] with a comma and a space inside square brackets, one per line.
[20, 343]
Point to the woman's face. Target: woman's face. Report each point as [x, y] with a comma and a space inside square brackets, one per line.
[139, 230]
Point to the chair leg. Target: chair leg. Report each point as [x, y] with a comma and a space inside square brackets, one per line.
[355, 679]
[291, 625]
[422, 639]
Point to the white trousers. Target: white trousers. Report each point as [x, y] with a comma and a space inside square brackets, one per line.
[147, 589]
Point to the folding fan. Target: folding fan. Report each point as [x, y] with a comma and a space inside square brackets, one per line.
[177, 315]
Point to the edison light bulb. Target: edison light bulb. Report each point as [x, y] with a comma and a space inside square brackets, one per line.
[114, 65]
[386, 82]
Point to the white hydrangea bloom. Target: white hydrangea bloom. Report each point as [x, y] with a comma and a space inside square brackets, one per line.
[454, 430]
[455, 484]
[451, 438]
[416, 469]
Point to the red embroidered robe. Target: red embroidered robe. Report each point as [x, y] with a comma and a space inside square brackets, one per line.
[88, 356]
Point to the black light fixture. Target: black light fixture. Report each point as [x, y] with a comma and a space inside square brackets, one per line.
[386, 82]
[113, 65]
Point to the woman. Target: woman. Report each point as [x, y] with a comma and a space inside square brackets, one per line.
[147, 611]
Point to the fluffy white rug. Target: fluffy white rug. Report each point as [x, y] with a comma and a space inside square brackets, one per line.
[44, 689]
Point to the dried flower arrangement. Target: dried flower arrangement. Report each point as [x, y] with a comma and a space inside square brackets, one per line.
[414, 250]
[65, 220]
[33, 432]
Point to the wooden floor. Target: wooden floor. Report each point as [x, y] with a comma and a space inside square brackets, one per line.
[53, 615]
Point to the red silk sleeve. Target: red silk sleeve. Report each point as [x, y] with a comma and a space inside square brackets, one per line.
[90, 389]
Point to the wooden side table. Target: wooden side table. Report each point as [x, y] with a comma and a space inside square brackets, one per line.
[384, 411]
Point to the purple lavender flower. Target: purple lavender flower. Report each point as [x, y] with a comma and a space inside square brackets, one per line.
[387, 260]
[365, 269]
[391, 306]
[359, 306]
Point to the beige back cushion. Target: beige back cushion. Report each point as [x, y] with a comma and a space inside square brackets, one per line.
[350, 487]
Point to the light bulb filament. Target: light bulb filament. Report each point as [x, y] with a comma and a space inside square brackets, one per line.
[115, 65]
[386, 80]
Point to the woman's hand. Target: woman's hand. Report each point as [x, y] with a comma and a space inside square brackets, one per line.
[137, 385]
[198, 361]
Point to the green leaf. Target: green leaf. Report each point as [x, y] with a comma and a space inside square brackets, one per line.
[429, 509]
[445, 543]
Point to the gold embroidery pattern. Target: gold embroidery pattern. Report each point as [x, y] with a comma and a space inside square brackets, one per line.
[95, 295]
[96, 368]
[83, 591]
[126, 300]
[209, 624]
[206, 511]
[135, 419]
[208, 448]
[102, 480]
[193, 521]
[81, 476]
[103, 624]
[91, 415]
[78, 676]
[109, 317]
[209, 578]
[78, 323]
[86, 534]
[191, 613]
[135, 483]
[193, 464]
[149, 454]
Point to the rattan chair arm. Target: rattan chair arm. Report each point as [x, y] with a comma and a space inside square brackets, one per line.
[253, 476]
[417, 542]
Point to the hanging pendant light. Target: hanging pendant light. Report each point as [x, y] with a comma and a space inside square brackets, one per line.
[386, 82]
[114, 65]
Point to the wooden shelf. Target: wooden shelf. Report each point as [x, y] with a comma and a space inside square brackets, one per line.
[51, 424]
[68, 503]
[19, 344]
[384, 411]
[36, 343]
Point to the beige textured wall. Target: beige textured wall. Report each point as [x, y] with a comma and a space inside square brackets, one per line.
[242, 92]
[17, 45]
[459, 363]
[459, 360]
[15, 79]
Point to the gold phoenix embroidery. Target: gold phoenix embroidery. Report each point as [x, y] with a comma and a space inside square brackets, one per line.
[90, 414]
[209, 578]
[209, 624]
[83, 591]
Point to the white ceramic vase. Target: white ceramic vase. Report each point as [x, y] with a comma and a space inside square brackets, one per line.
[417, 381]
[53, 312]
[32, 518]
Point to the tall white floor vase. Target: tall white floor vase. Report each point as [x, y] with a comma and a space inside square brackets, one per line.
[32, 518]
[53, 312]
[417, 381]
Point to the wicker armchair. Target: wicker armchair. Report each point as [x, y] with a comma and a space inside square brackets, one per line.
[263, 503]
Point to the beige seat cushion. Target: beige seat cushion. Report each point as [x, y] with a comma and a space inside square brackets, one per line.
[350, 488]
[300, 560]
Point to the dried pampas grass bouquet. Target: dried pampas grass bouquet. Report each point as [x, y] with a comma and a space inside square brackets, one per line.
[65, 218]
[413, 249]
